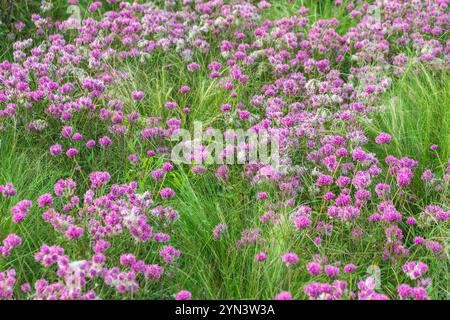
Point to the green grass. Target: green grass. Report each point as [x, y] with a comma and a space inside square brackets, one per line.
[417, 115]
[31, 173]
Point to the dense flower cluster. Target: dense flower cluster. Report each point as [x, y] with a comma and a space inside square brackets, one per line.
[101, 218]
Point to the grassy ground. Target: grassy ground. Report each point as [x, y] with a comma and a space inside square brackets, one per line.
[416, 116]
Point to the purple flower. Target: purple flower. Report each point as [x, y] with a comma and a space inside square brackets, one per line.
[383, 138]
[45, 200]
[183, 295]
[21, 210]
[167, 193]
[222, 172]
[71, 152]
[55, 149]
[290, 259]
[137, 95]
[98, 179]
[284, 295]
[261, 257]
[218, 231]
[262, 195]
[185, 89]
[324, 180]
[331, 271]
[90, 144]
[349, 268]
[105, 141]
[314, 268]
